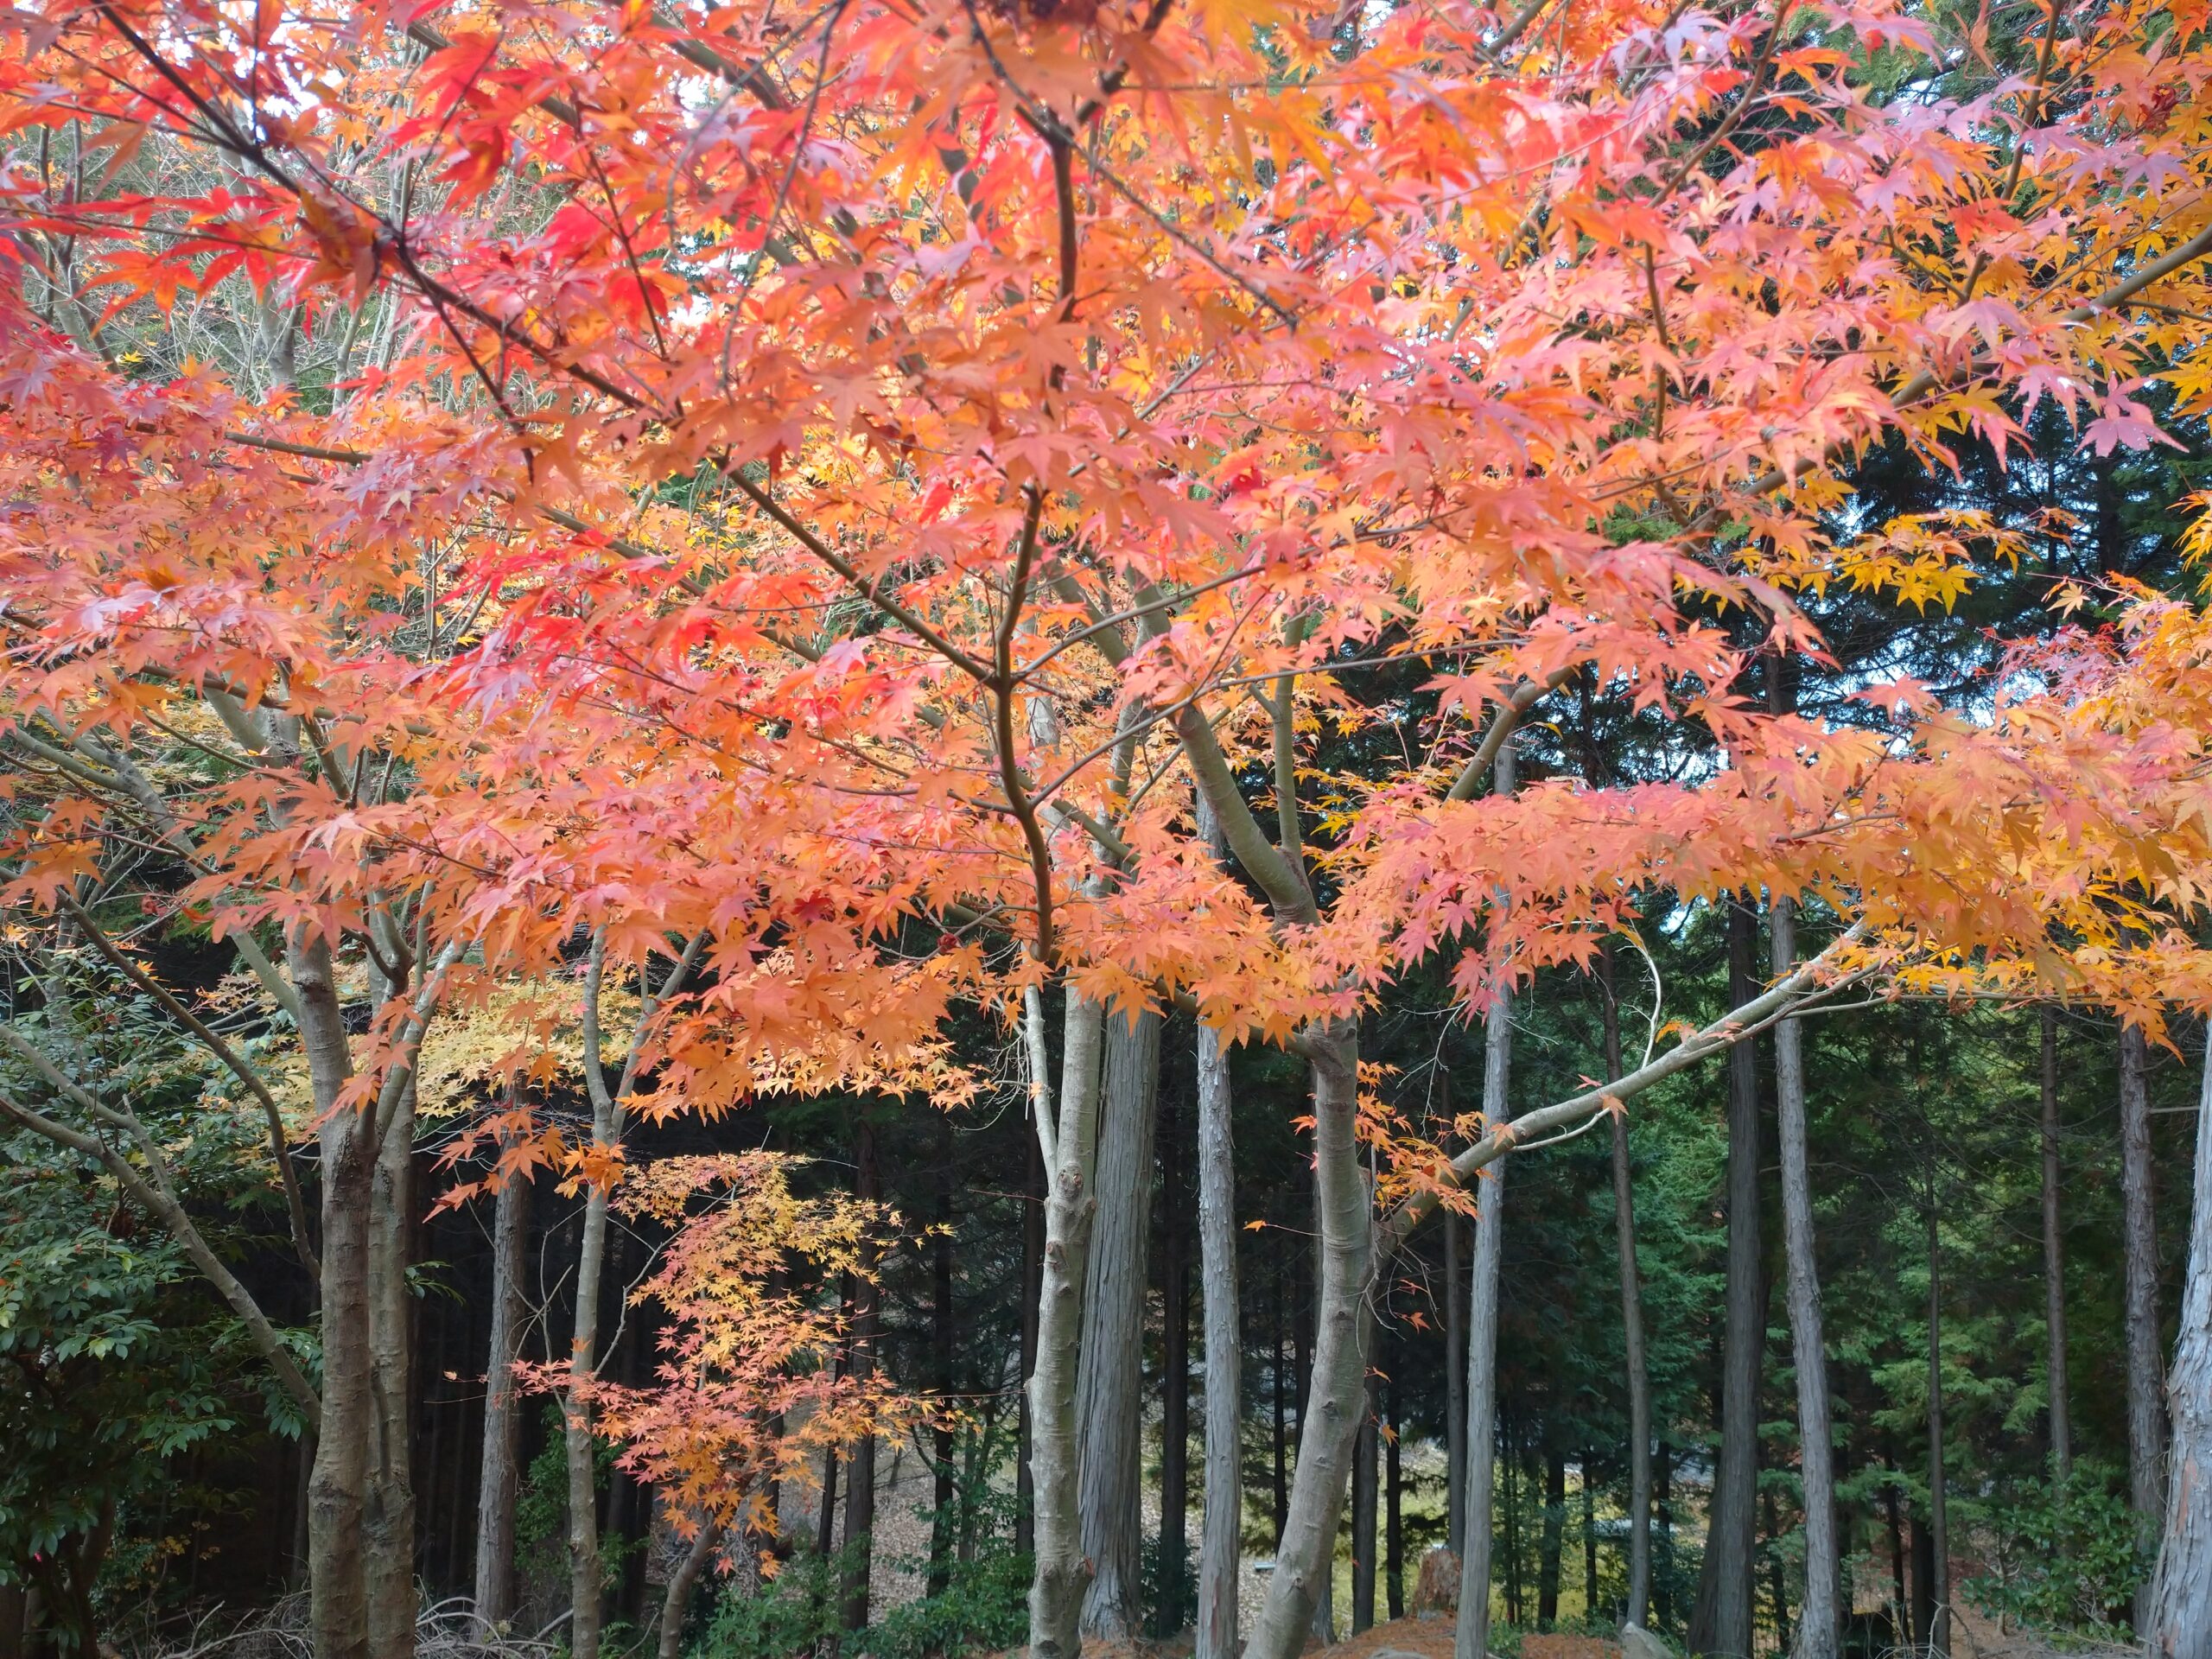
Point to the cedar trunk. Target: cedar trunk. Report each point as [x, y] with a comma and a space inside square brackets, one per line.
[2180, 1622]
[860, 1477]
[1939, 1524]
[1224, 1491]
[2146, 1410]
[498, 1476]
[1366, 1472]
[1109, 1399]
[1175, 1378]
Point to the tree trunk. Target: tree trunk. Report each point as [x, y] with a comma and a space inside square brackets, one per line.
[1820, 1625]
[1471, 1638]
[1455, 1391]
[2180, 1622]
[587, 1584]
[388, 1521]
[1394, 1536]
[338, 1487]
[1662, 1530]
[1925, 1602]
[1109, 1396]
[860, 1476]
[1033, 1279]
[944, 1498]
[1589, 1542]
[1324, 1621]
[825, 1520]
[1939, 1532]
[1282, 1413]
[1721, 1623]
[1554, 1537]
[1639, 1377]
[2147, 1411]
[2053, 1262]
[1778, 1587]
[1330, 1422]
[498, 1478]
[1365, 1480]
[1175, 1378]
[1218, 1539]
[1062, 1570]
[681, 1583]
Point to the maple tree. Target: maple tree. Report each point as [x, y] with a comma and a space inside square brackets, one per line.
[824, 497]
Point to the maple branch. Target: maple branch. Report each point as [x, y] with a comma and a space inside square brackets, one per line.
[1003, 681]
[1509, 715]
[871, 591]
[158, 1196]
[279, 1141]
[1786, 996]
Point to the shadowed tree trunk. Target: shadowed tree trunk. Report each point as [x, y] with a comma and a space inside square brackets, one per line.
[944, 1522]
[2053, 1260]
[1455, 1387]
[1366, 1482]
[1639, 1378]
[1721, 1622]
[1281, 1408]
[1939, 1529]
[2146, 1410]
[1224, 1491]
[2180, 1622]
[1820, 1627]
[498, 1478]
[860, 1476]
[1109, 1405]
[1553, 1540]
[1393, 1537]
[1589, 1540]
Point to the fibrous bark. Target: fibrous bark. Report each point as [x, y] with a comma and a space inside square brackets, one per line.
[860, 1481]
[2146, 1410]
[2179, 1621]
[1366, 1472]
[1224, 1491]
[498, 1474]
[1110, 1391]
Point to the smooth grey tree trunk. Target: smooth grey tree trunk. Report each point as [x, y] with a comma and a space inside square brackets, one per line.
[1470, 1639]
[1110, 1393]
[2179, 1625]
[1337, 1393]
[337, 1486]
[1721, 1625]
[2147, 1411]
[2054, 1261]
[1323, 1624]
[498, 1476]
[585, 1574]
[1820, 1625]
[1637, 1611]
[1218, 1537]
[677, 1599]
[388, 1521]
[1062, 1571]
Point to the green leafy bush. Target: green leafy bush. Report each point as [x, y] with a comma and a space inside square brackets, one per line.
[2065, 1556]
